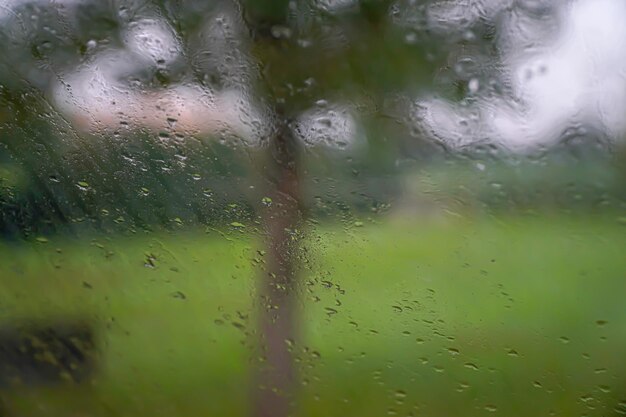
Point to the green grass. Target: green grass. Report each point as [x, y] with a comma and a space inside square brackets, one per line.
[481, 317]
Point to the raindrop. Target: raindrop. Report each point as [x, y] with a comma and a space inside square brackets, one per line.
[463, 386]
[171, 122]
[473, 85]
[150, 261]
[410, 38]
[180, 295]
[280, 32]
[465, 67]
[469, 35]
[400, 395]
[82, 185]
[330, 311]
[587, 398]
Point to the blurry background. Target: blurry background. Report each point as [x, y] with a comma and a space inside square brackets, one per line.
[462, 188]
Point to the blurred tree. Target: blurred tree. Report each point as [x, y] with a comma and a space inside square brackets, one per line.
[361, 58]
[104, 64]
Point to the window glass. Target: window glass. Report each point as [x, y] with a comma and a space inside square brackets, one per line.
[312, 208]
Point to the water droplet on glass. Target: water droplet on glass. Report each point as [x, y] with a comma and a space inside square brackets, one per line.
[473, 85]
[180, 295]
[330, 311]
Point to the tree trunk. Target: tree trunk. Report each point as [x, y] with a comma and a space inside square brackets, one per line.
[275, 377]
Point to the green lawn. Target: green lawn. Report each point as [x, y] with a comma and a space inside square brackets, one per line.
[500, 316]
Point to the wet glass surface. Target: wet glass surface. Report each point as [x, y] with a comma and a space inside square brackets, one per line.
[312, 207]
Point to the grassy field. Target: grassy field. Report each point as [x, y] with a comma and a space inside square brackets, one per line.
[522, 316]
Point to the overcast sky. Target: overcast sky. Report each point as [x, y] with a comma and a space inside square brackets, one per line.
[564, 62]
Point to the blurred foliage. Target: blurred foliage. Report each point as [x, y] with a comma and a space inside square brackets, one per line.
[302, 52]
